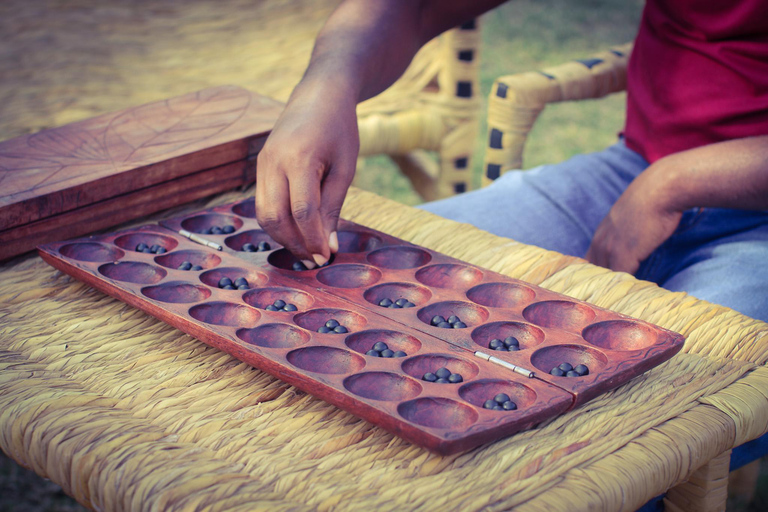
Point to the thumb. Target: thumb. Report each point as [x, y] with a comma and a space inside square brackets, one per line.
[334, 190]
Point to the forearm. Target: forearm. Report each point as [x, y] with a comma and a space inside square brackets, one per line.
[731, 174]
[367, 44]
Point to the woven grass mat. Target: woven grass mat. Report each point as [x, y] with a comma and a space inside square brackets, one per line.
[129, 414]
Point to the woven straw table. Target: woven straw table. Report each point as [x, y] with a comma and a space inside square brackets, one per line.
[129, 414]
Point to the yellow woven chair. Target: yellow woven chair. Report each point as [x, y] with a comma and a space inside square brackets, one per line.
[516, 101]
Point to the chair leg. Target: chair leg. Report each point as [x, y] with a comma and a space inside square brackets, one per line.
[705, 491]
[742, 482]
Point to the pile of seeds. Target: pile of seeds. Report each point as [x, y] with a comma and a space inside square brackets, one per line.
[155, 249]
[262, 247]
[220, 230]
[567, 370]
[186, 265]
[510, 344]
[500, 402]
[332, 326]
[240, 283]
[281, 305]
[452, 322]
[398, 304]
[381, 349]
[443, 376]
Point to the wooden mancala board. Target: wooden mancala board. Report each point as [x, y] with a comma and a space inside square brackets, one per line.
[86, 176]
[372, 266]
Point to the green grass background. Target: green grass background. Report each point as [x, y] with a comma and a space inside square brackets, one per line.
[518, 36]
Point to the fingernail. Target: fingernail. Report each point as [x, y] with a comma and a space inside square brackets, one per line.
[333, 242]
[319, 259]
[309, 264]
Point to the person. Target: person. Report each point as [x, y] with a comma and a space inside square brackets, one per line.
[680, 199]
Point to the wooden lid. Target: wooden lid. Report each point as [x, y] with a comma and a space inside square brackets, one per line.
[65, 168]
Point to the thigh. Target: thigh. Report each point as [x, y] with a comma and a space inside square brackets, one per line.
[557, 207]
[722, 259]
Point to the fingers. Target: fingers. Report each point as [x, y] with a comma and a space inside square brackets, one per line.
[334, 191]
[305, 200]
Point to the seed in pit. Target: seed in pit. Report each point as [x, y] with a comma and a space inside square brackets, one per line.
[160, 250]
[228, 229]
[453, 319]
[228, 287]
[442, 381]
[273, 308]
[240, 281]
[459, 325]
[340, 329]
[279, 303]
[385, 303]
[394, 306]
[581, 369]
[557, 372]
[400, 353]
[225, 281]
[443, 373]
[401, 302]
[497, 407]
[214, 230]
[566, 367]
[249, 247]
[513, 348]
[511, 341]
[380, 345]
[264, 246]
[509, 405]
[489, 404]
[437, 320]
[155, 248]
[324, 330]
[332, 323]
[572, 374]
[197, 267]
[387, 353]
[243, 287]
[455, 378]
[290, 307]
[372, 353]
[501, 398]
[185, 265]
[429, 377]
[444, 325]
[142, 247]
[496, 344]
[298, 266]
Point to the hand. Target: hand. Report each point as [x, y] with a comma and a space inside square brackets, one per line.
[304, 171]
[638, 223]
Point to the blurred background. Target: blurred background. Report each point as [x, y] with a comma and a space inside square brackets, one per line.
[67, 60]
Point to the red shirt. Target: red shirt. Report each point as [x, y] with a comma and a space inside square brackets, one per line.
[698, 74]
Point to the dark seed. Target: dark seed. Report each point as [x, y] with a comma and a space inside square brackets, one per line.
[228, 229]
[557, 372]
[566, 367]
[185, 265]
[332, 323]
[401, 302]
[511, 341]
[501, 398]
[442, 381]
[142, 247]
[264, 246]
[243, 287]
[429, 377]
[290, 307]
[395, 306]
[154, 248]
[459, 325]
[443, 373]
[400, 353]
[496, 344]
[380, 345]
[279, 304]
[513, 348]
[324, 330]
[215, 230]
[271, 308]
[340, 329]
[385, 303]
[497, 407]
[249, 247]
[509, 405]
[372, 353]
[489, 404]
[240, 281]
[453, 319]
[437, 320]
[228, 287]
[387, 353]
[298, 266]
[161, 250]
[455, 378]
[502, 348]
[147, 251]
[409, 304]
[224, 281]
[197, 267]
[445, 325]
[581, 369]
[572, 374]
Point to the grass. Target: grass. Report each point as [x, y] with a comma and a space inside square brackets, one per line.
[520, 36]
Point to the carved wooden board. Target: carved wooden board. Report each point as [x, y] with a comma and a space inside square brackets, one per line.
[146, 151]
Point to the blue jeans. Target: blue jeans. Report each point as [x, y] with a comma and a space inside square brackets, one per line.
[718, 255]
